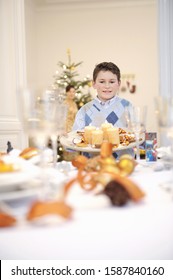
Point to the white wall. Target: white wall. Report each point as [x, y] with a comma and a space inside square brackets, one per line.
[31, 42]
[123, 33]
[12, 72]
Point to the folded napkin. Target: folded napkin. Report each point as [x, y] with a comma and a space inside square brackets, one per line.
[164, 152]
[166, 156]
[15, 152]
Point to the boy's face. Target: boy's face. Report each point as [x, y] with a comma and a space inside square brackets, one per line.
[106, 84]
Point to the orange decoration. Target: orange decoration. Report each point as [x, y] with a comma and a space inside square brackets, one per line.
[103, 169]
[79, 161]
[40, 208]
[106, 149]
[7, 220]
[86, 179]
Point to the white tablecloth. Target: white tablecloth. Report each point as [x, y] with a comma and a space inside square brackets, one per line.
[100, 231]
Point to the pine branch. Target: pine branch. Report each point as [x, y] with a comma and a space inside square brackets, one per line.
[68, 76]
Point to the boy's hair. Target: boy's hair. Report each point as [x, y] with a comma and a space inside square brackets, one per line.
[69, 87]
[106, 66]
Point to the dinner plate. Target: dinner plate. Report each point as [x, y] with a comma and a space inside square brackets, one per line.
[68, 141]
[18, 193]
[26, 172]
[27, 184]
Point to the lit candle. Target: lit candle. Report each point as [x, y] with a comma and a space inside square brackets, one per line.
[113, 135]
[104, 127]
[97, 138]
[88, 133]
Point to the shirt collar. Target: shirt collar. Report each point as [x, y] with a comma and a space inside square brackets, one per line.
[107, 102]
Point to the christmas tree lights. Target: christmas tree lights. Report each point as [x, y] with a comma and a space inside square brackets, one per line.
[68, 76]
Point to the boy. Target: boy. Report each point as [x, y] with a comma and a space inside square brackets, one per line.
[107, 106]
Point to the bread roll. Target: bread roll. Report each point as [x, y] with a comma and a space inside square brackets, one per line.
[29, 153]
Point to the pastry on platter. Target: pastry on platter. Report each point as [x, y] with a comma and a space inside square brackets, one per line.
[29, 152]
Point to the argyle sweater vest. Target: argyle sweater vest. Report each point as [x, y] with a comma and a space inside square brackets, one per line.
[93, 113]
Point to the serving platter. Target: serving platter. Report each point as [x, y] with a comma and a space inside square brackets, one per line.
[71, 139]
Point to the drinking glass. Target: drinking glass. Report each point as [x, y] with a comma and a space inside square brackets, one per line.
[61, 116]
[136, 121]
[39, 113]
[164, 114]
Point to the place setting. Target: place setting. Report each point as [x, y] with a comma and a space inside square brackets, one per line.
[16, 175]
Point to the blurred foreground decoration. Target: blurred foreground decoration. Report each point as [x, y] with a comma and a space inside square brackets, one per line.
[68, 77]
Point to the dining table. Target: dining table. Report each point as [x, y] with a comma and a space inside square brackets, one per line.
[97, 230]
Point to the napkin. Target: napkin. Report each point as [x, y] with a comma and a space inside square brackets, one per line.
[166, 156]
[164, 152]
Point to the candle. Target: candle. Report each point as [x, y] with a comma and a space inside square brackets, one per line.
[113, 135]
[104, 127]
[88, 133]
[97, 138]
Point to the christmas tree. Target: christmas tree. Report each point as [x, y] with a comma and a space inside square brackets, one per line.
[68, 77]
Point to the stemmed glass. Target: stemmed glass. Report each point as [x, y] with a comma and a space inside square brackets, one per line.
[39, 113]
[136, 121]
[164, 114]
[60, 125]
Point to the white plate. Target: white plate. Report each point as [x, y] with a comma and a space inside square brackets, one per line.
[20, 193]
[68, 142]
[27, 181]
[27, 172]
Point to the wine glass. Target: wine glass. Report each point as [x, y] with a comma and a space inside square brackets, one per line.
[136, 121]
[164, 114]
[163, 110]
[39, 113]
[60, 125]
